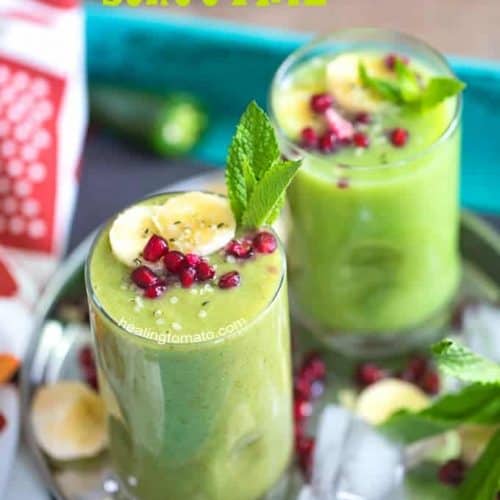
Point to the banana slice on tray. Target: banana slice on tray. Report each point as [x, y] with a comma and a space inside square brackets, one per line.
[342, 77]
[379, 401]
[69, 421]
[130, 232]
[196, 222]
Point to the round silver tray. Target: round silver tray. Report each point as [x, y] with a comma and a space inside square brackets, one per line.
[55, 345]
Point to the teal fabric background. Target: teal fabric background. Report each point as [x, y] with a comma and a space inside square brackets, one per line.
[229, 65]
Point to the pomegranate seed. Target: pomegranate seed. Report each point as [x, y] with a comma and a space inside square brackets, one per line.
[399, 137]
[90, 375]
[86, 357]
[368, 373]
[302, 409]
[430, 382]
[361, 140]
[229, 280]
[144, 277]
[173, 261]
[309, 138]
[155, 248]
[313, 368]
[191, 260]
[305, 451]
[363, 118]
[452, 472]
[327, 142]
[3, 421]
[298, 431]
[265, 242]
[302, 388]
[155, 291]
[415, 368]
[204, 271]
[242, 249]
[321, 102]
[390, 61]
[187, 276]
[342, 183]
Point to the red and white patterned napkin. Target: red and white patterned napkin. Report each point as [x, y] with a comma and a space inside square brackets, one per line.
[43, 117]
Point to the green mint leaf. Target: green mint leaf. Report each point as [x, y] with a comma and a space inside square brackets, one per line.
[407, 79]
[483, 480]
[249, 176]
[476, 403]
[236, 188]
[457, 360]
[390, 91]
[438, 89]
[267, 198]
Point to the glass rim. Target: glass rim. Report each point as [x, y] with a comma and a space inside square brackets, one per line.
[92, 295]
[288, 62]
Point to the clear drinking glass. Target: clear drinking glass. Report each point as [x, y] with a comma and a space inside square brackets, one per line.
[193, 417]
[373, 249]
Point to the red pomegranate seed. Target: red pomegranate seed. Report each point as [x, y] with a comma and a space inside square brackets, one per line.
[191, 260]
[86, 357]
[229, 280]
[3, 421]
[302, 409]
[399, 137]
[452, 472]
[415, 368]
[313, 368]
[327, 142]
[90, 375]
[242, 249]
[321, 102]
[305, 452]
[204, 271]
[390, 60]
[155, 291]
[302, 388]
[144, 277]
[430, 382]
[342, 183]
[363, 118]
[368, 373]
[265, 242]
[187, 276]
[299, 430]
[155, 248]
[309, 138]
[173, 261]
[361, 140]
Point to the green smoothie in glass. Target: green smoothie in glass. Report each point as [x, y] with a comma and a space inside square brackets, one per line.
[189, 312]
[374, 210]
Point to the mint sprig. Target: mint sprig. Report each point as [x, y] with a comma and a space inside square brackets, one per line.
[405, 90]
[256, 175]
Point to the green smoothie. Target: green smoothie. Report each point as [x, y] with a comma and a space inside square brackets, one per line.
[197, 379]
[374, 212]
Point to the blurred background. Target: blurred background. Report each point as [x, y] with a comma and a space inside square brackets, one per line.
[461, 27]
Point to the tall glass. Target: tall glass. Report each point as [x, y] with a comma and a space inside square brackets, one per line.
[373, 249]
[190, 417]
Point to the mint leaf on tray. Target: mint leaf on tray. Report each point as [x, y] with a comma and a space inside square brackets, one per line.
[477, 403]
[256, 176]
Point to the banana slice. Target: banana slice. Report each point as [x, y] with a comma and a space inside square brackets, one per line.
[69, 421]
[130, 232]
[379, 401]
[342, 76]
[196, 222]
[293, 109]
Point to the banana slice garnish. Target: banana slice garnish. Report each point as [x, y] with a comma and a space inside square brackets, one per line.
[379, 401]
[196, 222]
[69, 421]
[130, 232]
[342, 77]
